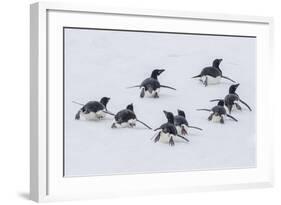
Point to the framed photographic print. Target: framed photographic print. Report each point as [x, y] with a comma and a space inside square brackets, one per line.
[130, 102]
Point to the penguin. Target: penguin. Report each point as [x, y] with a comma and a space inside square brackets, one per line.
[93, 110]
[218, 112]
[232, 98]
[182, 124]
[168, 131]
[151, 86]
[212, 74]
[126, 118]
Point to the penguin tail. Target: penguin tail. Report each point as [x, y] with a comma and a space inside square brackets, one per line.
[225, 77]
[134, 86]
[165, 86]
[197, 76]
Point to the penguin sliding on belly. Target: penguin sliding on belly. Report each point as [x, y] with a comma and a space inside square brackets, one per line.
[93, 110]
[218, 112]
[168, 131]
[212, 74]
[151, 86]
[126, 118]
[182, 124]
[233, 99]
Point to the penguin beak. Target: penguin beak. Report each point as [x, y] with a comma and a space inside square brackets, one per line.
[220, 60]
[237, 85]
[161, 71]
[165, 112]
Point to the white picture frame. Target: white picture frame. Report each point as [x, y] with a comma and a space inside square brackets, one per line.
[46, 177]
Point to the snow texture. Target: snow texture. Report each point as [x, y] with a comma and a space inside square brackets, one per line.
[103, 63]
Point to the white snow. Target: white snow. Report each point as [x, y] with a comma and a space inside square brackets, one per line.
[103, 63]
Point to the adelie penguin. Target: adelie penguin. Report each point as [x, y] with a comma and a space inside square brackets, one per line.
[93, 110]
[126, 118]
[182, 124]
[168, 131]
[218, 112]
[212, 74]
[151, 86]
[233, 99]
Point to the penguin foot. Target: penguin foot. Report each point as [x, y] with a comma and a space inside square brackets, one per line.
[222, 120]
[171, 142]
[238, 106]
[183, 131]
[156, 95]
[142, 93]
[113, 125]
[132, 125]
[205, 82]
[210, 117]
[77, 116]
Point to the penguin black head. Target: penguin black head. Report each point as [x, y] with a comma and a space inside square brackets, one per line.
[181, 113]
[156, 73]
[169, 116]
[104, 101]
[221, 103]
[233, 88]
[216, 63]
[130, 107]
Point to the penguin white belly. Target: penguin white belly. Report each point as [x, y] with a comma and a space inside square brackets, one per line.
[165, 137]
[211, 80]
[93, 115]
[130, 123]
[179, 128]
[152, 94]
[234, 108]
[216, 118]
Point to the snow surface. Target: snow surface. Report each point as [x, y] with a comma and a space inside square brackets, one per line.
[103, 63]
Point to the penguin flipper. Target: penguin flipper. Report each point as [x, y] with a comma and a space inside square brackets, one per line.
[198, 128]
[134, 86]
[77, 116]
[214, 100]
[197, 76]
[157, 138]
[165, 86]
[232, 117]
[77, 103]
[144, 124]
[225, 77]
[183, 137]
[245, 104]
[159, 128]
[107, 112]
[204, 110]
